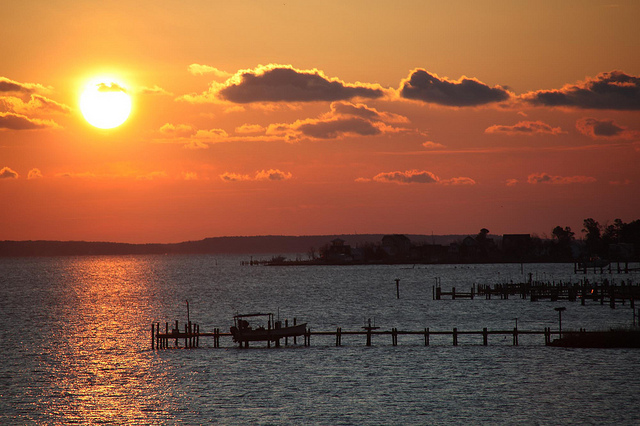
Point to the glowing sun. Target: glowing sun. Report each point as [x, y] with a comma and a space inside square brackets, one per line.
[105, 105]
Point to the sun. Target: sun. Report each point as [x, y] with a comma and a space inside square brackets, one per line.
[105, 104]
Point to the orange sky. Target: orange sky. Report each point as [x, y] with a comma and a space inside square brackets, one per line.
[298, 118]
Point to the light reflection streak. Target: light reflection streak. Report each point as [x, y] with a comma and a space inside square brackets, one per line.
[103, 375]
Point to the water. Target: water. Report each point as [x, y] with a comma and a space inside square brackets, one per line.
[75, 347]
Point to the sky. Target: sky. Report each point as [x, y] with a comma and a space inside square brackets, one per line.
[318, 117]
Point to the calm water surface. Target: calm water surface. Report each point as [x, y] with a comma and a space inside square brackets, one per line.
[76, 347]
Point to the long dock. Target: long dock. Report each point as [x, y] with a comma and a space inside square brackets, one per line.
[190, 337]
[604, 292]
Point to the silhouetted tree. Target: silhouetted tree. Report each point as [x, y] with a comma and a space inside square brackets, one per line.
[563, 235]
[561, 249]
[611, 234]
[593, 240]
[482, 235]
[630, 232]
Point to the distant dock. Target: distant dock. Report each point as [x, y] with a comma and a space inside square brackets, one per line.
[603, 292]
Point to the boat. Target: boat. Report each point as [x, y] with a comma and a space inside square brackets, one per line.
[244, 332]
[618, 338]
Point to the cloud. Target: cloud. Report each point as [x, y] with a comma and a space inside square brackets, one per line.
[212, 135]
[417, 177]
[197, 69]
[261, 175]
[525, 128]
[458, 181]
[410, 176]
[234, 177]
[284, 83]
[465, 92]
[596, 129]
[334, 128]
[11, 86]
[37, 103]
[558, 180]
[344, 119]
[34, 174]
[177, 130]
[11, 121]
[512, 182]
[112, 87]
[7, 173]
[613, 90]
[189, 176]
[155, 90]
[272, 174]
[250, 128]
[79, 175]
[365, 112]
[620, 182]
[432, 145]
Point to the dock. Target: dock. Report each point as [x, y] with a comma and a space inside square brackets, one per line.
[190, 336]
[606, 291]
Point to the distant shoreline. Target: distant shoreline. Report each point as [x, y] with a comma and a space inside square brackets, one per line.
[274, 244]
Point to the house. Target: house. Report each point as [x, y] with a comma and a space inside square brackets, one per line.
[396, 245]
[338, 251]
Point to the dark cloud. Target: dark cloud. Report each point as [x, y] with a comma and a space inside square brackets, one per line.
[335, 128]
[365, 112]
[344, 119]
[525, 128]
[465, 92]
[595, 128]
[111, 87]
[558, 180]
[610, 90]
[13, 121]
[7, 173]
[279, 83]
[7, 85]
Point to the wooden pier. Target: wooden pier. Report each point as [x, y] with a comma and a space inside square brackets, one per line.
[190, 337]
[604, 267]
[604, 292]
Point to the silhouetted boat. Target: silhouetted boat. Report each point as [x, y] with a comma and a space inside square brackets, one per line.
[243, 331]
[622, 338]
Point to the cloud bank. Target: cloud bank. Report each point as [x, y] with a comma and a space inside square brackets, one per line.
[284, 83]
[11, 121]
[465, 92]
[525, 128]
[613, 90]
[597, 129]
[11, 86]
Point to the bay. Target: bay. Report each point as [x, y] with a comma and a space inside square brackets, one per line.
[76, 346]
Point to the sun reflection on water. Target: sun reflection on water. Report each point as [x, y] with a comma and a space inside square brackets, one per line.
[103, 376]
